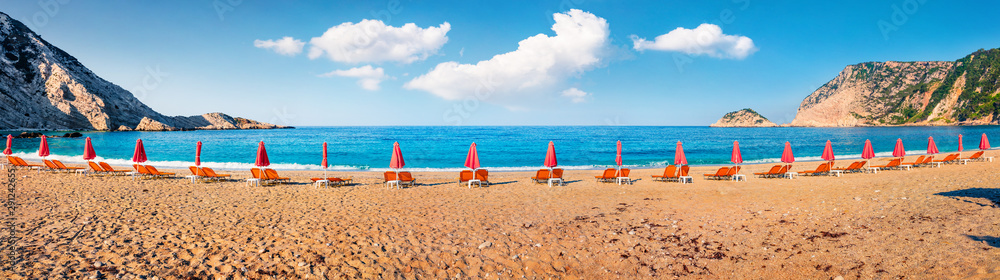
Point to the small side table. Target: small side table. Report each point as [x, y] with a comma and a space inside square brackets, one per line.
[737, 177]
[685, 179]
[193, 177]
[555, 180]
[478, 182]
[253, 182]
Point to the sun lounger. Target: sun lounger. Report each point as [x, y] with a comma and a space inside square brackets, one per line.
[20, 163]
[669, 173]
[557, 176]
[332, 180]
[152, 170]
[915, 162]
[465, 176]
[719, 174]
[67, 168]
[952, 158]
[112, 170]
[97, 169]
[272, 175]
[483, 176]
[822, 169]
[978, 156]
[893, 164]
[541, 177]
[774, 172]
[608, 176]
[143, 172]
[52, 166]
[406, 178]
[210, 173]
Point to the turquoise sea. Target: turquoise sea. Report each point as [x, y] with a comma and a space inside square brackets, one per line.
[501, 148]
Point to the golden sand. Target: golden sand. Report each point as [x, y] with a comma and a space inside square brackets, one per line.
[927, 223]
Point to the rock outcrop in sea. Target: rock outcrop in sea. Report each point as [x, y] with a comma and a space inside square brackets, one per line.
[743, 118]
[44, 88]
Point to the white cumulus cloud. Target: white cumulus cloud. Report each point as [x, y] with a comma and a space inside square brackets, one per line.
[368, 77]
[371, 41]
[706, 39]
[285, 46]
[539, 64]
[575, 95]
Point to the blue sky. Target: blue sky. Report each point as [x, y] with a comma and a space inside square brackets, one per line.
[193, 57]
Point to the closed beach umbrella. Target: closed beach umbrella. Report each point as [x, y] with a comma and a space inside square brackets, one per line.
[960, 146]
[43, 147]
[828, 152]
[88, 151]
[472, 158]
[679, 158]
[786, 155]
[197, 154]
[931, 147]
[618, 158]
[737, 156]
[984, 144]
[10, 142]
[899, 151]
[325, 163]
[139, 156]
[397, 158]
[550, 156]
[262, 160]
[868, 152]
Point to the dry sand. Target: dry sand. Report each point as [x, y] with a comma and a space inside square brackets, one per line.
[928, 223]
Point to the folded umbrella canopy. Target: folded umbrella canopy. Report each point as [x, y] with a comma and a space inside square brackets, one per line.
[10, 142]
[960, 147]
[88, 151]
[550, 156]
[472, 158]
[737, 156]
[899, 151]
[786, 155]
[43, 147]
[197, 154]
[984, 144]
[868, 152]
[262, 160]
[931, 147]
[325, 163]
[828, 152]
[618, 157]
[139, 156]
[679, 157]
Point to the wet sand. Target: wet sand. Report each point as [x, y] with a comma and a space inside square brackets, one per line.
[927, 223]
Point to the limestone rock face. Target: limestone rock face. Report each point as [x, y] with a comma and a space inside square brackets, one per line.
[148, 124]
[743, 118]
[44, 88]
[962, 92]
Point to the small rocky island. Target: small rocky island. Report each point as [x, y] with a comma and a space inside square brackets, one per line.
[743, 118]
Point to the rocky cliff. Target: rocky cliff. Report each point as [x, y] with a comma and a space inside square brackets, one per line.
[743, 118]
[963, 92]
[43, 87]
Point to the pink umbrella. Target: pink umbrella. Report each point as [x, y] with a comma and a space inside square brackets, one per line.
[618, 158]
[397, 158]
[960, 148]
[828, 152]
[737, 157]
[88, 151]
[262, 160]
[197, 154]
[931, 147]
[324, 163]
[984, 144]
[139, 156]
[679, 158]
[550, 156]
[787, 156]
[472, 158]
[899, 151]
[43, 148]
[10, 142]
[868, 152]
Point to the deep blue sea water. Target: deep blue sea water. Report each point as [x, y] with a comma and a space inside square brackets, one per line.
[500, 147]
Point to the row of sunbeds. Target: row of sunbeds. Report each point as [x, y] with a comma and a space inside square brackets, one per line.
[780, 171]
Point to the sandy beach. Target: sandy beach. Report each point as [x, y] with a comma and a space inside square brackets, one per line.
[927, 223]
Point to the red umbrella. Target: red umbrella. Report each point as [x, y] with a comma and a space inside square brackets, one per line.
[618, 158]
[325, 163]
[960, 147]
[868, 152]
[737, 157]
[679, 158]
[899, 151]
[397, 157]
[43, 148]
[984, 144]
[787, 156]
[262, 160]
[10, 142]
[931, 147]
[139, 156]
[828, 152]
[197, 154]
[88, 151]
[550, 156]
[472, 158]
